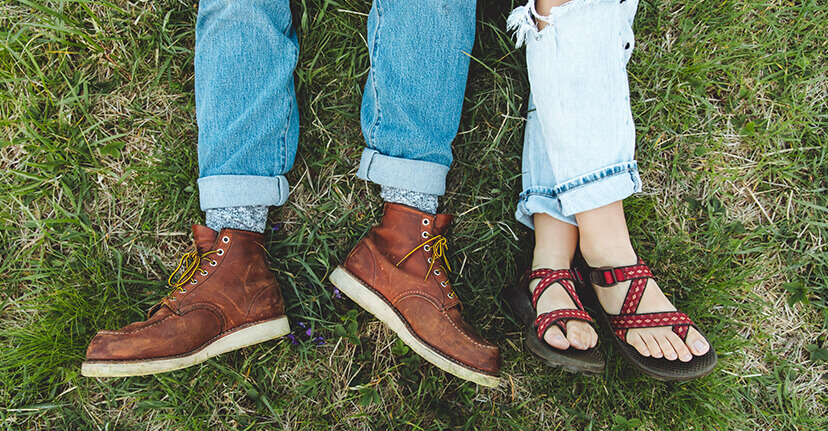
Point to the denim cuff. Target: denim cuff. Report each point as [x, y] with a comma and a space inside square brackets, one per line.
[599, 188]
[587, 192]
[414, 175]
[539, 200]
[221, 191]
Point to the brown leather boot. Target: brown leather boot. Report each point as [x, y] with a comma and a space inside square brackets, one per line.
[396, 273]
[226, 299]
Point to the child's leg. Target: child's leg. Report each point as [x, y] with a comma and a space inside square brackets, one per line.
[605, 241]
[555, 243]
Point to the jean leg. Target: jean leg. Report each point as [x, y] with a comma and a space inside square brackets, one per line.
[581, 149]
[246, 108]
[414, 93]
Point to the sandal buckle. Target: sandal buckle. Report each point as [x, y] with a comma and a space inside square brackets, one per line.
[598, 276]
[576, 275]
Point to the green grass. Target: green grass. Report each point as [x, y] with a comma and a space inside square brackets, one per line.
[98, 187]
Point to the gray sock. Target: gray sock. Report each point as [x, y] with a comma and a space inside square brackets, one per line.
[422, 201]
[252, 218]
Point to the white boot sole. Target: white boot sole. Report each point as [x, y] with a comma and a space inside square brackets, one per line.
[370, 301]
[244, 337]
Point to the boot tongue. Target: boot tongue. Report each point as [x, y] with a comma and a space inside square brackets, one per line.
[204, 238]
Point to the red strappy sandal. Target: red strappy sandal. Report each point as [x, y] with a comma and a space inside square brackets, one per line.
[657, 368]
[524, 305]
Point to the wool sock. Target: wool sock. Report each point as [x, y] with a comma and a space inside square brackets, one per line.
[422, 201]
[252, 218]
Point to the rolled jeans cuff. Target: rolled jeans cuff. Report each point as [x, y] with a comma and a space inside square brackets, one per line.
[587, 192]
[222, 191]
[599, 188]
[414, 175]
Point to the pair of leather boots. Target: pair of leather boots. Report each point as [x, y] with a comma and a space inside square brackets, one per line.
[227, 299]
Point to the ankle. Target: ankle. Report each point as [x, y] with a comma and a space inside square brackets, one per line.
[609, 254]
[552, 260]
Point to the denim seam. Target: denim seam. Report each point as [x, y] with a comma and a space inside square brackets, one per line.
[375, 125]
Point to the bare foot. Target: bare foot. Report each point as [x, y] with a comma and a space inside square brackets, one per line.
[605, 241]
[579, 334]
[659, 341]
[555, 243]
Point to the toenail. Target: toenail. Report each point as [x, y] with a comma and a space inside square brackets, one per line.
[700, 345]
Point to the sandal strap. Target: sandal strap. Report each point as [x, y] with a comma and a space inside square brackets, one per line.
[679, 321]
[608, 276]
[565, 277]
[559, 317]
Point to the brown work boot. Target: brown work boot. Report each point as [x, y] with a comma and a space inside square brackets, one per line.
[226, 299]
[396, 273]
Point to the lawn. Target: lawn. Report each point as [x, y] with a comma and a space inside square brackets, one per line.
[98, 189]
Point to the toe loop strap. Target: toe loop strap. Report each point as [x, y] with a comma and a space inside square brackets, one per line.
[559, 317]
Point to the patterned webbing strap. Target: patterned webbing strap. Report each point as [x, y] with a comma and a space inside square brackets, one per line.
[627, 319]
[566, 278]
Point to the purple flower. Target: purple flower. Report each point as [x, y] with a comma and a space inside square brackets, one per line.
[276, 227]
[302, 325]
[309, 332]
[337, 294]
[293, 339]
[319, 340]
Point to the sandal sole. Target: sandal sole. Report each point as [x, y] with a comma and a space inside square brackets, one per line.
[588, 362]
[238, 338]
[367, 298]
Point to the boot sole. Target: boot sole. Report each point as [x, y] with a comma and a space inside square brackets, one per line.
[246, 336]
[377, 305]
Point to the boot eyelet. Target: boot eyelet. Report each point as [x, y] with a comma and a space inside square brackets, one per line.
[183, 290]
[443, 283]
[172, 299]
[225, 239]
[425, 234]
[193, 281]
[213, 262]
[220, 252]
[203, 272]
[429, 260]
[427, 247]
[426, 222]
[437, 272]
[451, 295]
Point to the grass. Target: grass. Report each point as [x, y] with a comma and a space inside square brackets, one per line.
[98, 187]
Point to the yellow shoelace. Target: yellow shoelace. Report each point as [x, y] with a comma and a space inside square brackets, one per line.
[191, 261]
[439, 244]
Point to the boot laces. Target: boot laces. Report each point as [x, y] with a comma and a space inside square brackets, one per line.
[439, 245]
[191, 262]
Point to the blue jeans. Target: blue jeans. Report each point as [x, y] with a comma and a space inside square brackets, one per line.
[246, 104]
[579, 142]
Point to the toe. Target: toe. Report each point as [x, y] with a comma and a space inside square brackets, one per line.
[666, 348]
[575, 334]
[681, 349]
[554, 337]
[580, 334]
[594, 337]
[652, 345]
[696, 342]
[636, 341]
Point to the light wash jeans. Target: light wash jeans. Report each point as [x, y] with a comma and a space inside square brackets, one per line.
[579, 142]
[246, 108]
